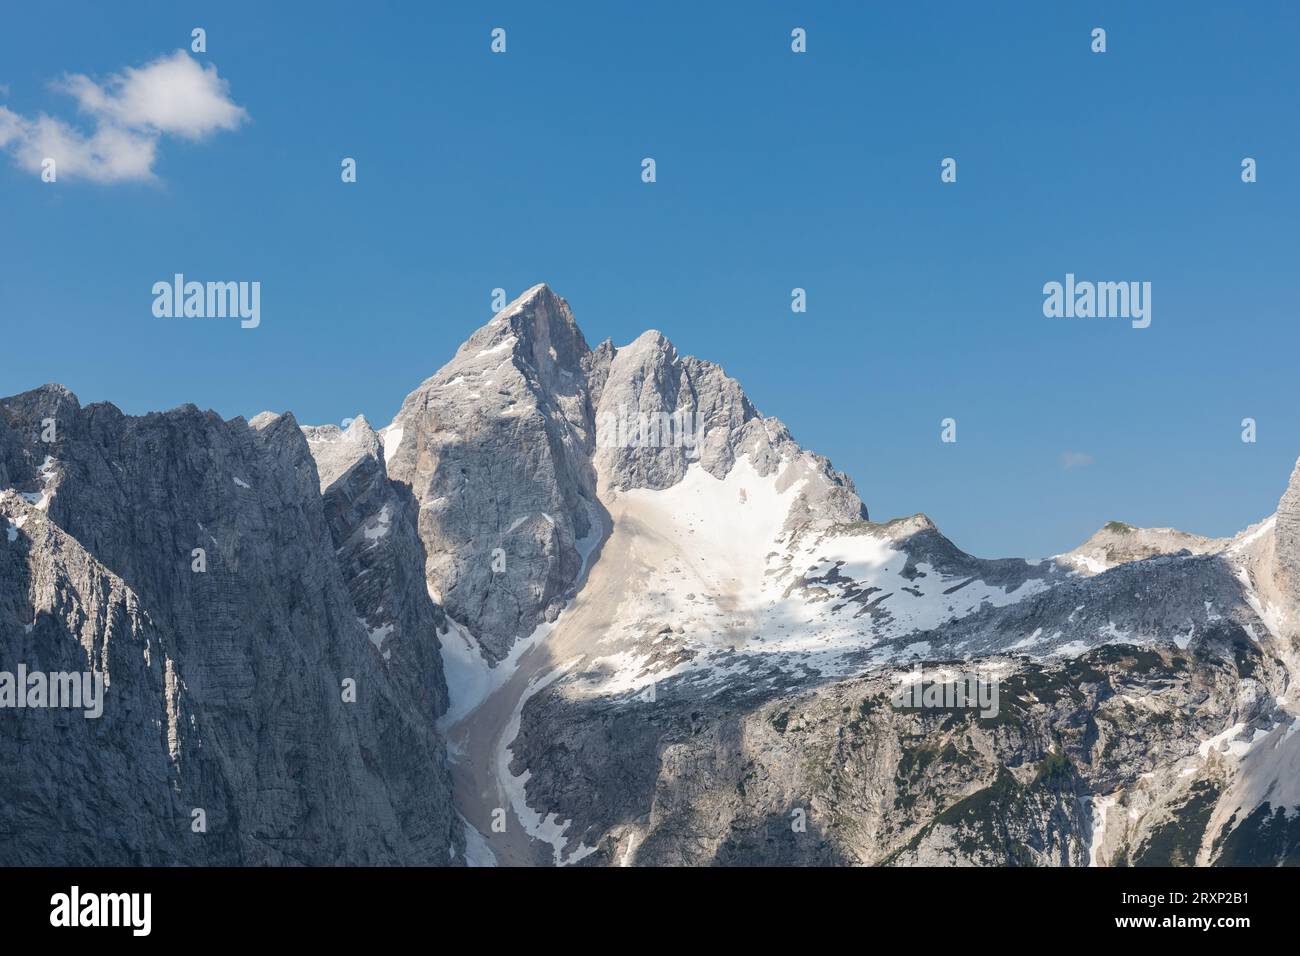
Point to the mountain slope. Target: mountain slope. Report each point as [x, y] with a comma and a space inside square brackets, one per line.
[247, 643]
[1145, 718]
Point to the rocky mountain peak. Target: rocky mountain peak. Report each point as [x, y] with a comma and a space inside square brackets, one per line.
[650, 342]
[659, 412]
[537, 329]
[504, 449]
[496, 450]
[336, 449]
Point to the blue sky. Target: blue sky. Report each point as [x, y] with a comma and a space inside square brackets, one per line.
[775, 170]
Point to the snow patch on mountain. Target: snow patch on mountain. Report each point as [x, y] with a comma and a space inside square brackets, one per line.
[392, 440]
[477, 851]
[503, 346]
[1100, 806]
[548, 828]
[471, 677]
[726, 584]
[382, 523]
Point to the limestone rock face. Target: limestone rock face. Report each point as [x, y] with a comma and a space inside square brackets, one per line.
[496, 451]
[78, 790]
[1286, 542]
[372, 523]
[658, 413]
[190, 561]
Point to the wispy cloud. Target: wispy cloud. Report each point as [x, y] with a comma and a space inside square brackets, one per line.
[1075, 459]
[131, 112]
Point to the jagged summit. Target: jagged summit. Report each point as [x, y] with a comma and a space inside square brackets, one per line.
[508, 446]
[496, 449]
[650, 339]
[526, 300]
[338, 449]
[537, 328]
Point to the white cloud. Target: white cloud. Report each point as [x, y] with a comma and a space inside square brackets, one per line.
[171, 95]
[174, 95]
[1075, 459]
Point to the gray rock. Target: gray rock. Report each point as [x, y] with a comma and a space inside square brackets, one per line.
[239, 667]
[658, 413]
[372, 524]
[496, 451]
[1283, 551]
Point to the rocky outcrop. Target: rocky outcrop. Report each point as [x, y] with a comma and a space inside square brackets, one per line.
[1281, 563]
[372, 523]
[659, 413]
[1117, 543]
[496, 450]
[841, 774]
[190, 561]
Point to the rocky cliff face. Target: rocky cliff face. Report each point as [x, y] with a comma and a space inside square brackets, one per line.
[1279, 569]
[372, 522]
[189, 560]
[79, 790]
[658, 413]
[496, 451]
[841, 774]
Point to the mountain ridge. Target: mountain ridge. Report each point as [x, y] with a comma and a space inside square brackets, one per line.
[560, 563]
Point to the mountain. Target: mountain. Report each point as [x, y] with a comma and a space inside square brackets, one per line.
[600, 610]
[224, 668]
